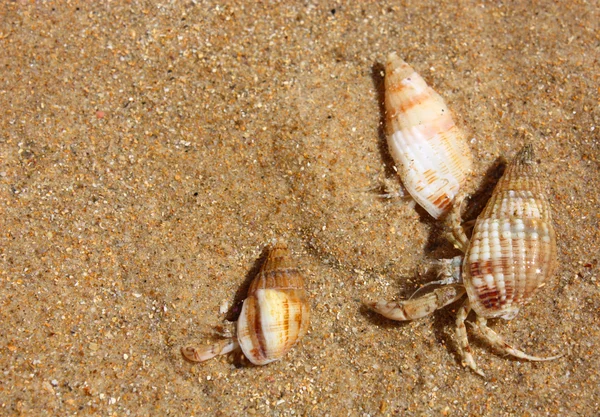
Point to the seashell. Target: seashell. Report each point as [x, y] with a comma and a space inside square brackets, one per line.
[431, 153]
[274, 317]
[510, 255]
[512, 251]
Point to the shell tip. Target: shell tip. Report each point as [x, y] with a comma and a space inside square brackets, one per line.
[278, 256]
[392, 56]
[278, 244]
[394, 60]
[526, 154]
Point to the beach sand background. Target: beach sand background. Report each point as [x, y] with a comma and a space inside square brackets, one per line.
[150, 152]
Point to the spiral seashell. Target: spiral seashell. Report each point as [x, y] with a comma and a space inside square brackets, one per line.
[512, 251]
[274, 317]
[431, 153]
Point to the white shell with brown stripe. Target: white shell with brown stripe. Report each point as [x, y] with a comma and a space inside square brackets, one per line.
[431, 153]
[275, 315]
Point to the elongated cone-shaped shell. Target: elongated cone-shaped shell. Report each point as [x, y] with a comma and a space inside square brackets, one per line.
[431, 153]
[513, 248]
[276, 313]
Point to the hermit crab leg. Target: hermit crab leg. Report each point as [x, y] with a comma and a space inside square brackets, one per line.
[498, 342]
[456, 234]
[418, 307]
[204, 353]
[463, 340]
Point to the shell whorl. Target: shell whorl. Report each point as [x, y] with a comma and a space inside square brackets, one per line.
[278, 272]
[512, 251]
[430, 151]
[519, 192]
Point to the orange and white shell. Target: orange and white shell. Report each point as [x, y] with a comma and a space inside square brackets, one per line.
[275, 316]
[431, 153]
[512, 251]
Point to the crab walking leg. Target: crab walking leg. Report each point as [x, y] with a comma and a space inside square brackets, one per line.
[204, 353]
[418, 307]
[456, 234]
[463, 340]
[498, 342]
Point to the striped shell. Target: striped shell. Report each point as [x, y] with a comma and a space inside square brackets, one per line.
[513, 247]
[276, 313]
[431, 153]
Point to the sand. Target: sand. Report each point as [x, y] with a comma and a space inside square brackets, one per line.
[149, 153]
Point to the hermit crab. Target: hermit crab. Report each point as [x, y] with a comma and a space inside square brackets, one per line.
[511, 254]
[274, 317]
[430, 151]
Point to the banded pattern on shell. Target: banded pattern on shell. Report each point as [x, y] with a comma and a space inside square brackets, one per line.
[275, 315]
[513, 247]
[431, 153]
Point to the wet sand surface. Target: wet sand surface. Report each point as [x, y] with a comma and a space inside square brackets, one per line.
[149, 153]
